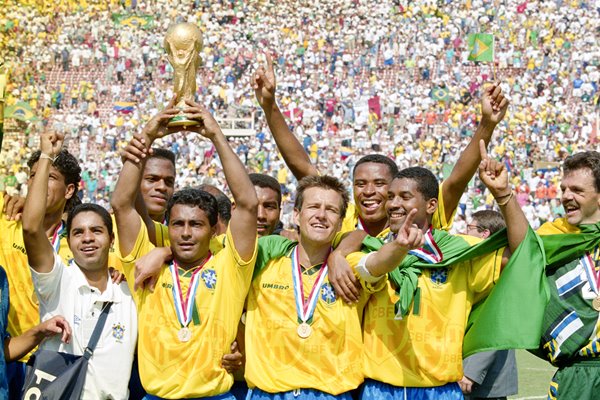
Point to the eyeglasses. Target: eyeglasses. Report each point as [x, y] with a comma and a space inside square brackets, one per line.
[479, 228]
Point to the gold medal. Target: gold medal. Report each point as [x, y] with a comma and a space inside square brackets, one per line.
[596, 303]
[304, 330]
[184, 334]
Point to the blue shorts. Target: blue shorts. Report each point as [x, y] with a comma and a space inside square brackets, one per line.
[224, 396]
[375, 390]
[298, 394]
[239, 390]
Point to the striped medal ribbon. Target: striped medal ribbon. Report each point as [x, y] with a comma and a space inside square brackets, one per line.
[429, 253]
[306, 308]
[184, 308]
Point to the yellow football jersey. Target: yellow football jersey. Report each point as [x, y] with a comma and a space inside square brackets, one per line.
[23, 313]
[425, 348]
[277, 359]
[168, 367]
[438, 221]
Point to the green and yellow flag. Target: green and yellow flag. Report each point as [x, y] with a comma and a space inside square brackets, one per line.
[440, 94]
[481, 47]
[21, 111]
[134, 21]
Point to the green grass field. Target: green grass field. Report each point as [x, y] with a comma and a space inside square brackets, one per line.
[534, 376]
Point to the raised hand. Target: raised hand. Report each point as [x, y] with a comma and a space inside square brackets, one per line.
[493, 174]
[51, 143]
[410, 236]
[157, 127]
[135, 150]
[264, 83]
[208, 127]
[493, 104]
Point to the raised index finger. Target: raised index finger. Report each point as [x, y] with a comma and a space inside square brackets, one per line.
[269, 61]
[482, 150]
[409, 219]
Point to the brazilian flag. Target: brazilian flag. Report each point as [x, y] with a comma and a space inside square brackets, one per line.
[440, 94]
[145, 21]
[481, 47]
[21, 111]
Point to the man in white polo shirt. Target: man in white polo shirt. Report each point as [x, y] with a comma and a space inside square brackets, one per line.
[80, 292]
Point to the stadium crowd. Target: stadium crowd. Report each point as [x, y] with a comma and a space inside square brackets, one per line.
[353, 79]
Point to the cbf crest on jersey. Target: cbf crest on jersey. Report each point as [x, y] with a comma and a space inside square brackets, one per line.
[328, 294]
[439, 276]
[209, 276]
[118, 331]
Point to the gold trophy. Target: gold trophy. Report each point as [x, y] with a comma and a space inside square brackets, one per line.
[183, 44]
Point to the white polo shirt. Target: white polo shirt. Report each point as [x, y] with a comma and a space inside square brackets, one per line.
[66, 292]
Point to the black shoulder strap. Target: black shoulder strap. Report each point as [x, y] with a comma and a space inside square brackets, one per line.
[89, 350]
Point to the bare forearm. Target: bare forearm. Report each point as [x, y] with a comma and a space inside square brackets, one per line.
[386, 259]
[15, 348]
[516, 223]
[237, 178]
[35, 204]
[292, 151]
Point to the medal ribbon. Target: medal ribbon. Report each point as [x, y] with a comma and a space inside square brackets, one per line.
[590, 270]
[55, 241]
[429, 253]
[184, 309]
[306, 309]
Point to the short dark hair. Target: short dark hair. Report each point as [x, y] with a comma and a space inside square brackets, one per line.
[586, 159]
[90, 207]
[323, 182]
[378, 159]
[427, 183]
[195, 198]
[158, 152]
[223, 202]
[491, 220]
[268, 182]
[66, 164]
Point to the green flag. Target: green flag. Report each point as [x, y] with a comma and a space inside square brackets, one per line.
[481, 47]
[21, 111]
[440, 94]
[134, 21]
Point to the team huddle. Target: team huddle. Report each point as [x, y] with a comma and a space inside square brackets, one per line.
[368, 299]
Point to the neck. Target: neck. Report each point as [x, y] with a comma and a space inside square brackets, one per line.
[157, 217]
[192, 264]
[96, 278]
[310, 254]
[51, 222]
[374, 228]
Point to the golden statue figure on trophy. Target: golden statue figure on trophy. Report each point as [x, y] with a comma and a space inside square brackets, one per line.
[183, 44]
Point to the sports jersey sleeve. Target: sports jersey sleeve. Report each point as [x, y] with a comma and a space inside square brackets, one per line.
[141, 247]
[484, 273]
[439, 220]
[47, 284]
[355, 260]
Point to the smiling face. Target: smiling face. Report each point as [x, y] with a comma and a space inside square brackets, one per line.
[157, 186]
[90, 241]
[190, 233]
[371, 182]
[579, 198]
[403, 196]
[319, 216]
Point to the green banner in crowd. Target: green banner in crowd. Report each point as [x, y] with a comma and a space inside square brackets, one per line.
[21, 111]
[134, 21]
[440, 94]
[481, 47]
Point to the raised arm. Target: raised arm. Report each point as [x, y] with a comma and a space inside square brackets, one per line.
[264, 85]
[493, 109]
[495, 176]
[125, 193]
[40, 254]
[243, 216]
[390, 256]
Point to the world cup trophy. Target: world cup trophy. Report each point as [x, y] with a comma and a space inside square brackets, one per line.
[183, 44]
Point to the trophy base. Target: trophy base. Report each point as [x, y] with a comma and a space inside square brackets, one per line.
[181, 120]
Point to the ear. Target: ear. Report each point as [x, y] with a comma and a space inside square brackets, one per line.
[70, 191]
[432, 205]
[486, 233]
